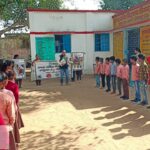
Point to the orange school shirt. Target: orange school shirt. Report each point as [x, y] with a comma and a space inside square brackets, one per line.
[102, 71]
[107, 69]
[125, 72]
[135, 72]
[119, 71]
[97, 68]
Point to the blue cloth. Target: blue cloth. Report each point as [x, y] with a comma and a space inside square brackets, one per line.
[137, 91]
[97, 78]
[113, 69]
[143, 90]
[62, 73]
[113, 81]
[108, 83]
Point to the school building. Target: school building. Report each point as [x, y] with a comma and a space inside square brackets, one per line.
[94, 32]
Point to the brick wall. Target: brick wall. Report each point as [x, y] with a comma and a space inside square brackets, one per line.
[10, 46]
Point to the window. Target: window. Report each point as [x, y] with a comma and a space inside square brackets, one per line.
[102, 42]
[63, 42]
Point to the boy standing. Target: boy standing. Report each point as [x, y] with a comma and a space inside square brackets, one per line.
[97, 72]
[102, 72]
[119, 75]
[107, 73]
[113, 73]
[148, 62]
[125, 79]
[135, 78]
[143, 77]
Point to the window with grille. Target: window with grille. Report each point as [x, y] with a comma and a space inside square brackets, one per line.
[102, 42]
[63, 42]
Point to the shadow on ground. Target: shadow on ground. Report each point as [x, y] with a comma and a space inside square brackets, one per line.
[82, 95]
[67, 139]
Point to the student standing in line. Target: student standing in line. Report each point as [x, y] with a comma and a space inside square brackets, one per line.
[7, 112]
[102, 73]
[37, 59]
[143, 78]
[97, 72]
[135, 78]
[113, 74]
[10, 93]
[119, 76]
[125, 79]
[148, 62]
[107, 73]
[15, 89]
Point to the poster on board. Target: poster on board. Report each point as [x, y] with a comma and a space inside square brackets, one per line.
[19, 68]
[47, 70]
[77, 60]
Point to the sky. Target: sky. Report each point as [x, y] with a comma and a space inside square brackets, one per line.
[82, 4]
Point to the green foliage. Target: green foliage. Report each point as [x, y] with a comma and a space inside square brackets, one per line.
[16, 10]
[119, 4]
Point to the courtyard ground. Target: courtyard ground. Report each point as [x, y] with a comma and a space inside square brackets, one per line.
[80, 117]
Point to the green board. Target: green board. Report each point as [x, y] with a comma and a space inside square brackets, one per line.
[45, 48]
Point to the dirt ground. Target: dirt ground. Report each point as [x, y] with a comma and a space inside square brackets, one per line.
[80, 117]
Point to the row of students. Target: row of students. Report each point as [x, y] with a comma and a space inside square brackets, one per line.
[116, 75]
[9, 107]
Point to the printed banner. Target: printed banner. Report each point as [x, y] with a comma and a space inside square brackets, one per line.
[145, 40]
[20, 68]
[47, 70]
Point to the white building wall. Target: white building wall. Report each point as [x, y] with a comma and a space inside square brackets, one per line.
[73, 22]
[70, 21]
[99, 21]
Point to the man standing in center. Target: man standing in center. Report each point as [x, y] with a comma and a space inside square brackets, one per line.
[63, 64]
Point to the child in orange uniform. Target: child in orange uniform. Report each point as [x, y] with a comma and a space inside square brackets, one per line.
[125, 80]
[108, 73]
[97, 72]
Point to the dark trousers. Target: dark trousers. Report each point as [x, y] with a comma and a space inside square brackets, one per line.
[119, 85]
[79, 74]
[113, 80]
[103, 80]
[19, 82]
[38, 82]
[125, 88]
[108, 82]
[73, 76]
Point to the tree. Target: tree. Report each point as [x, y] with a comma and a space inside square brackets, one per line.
[14, 12]
[119, 4]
